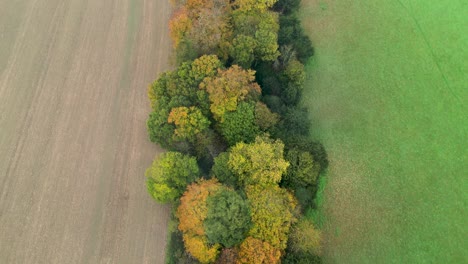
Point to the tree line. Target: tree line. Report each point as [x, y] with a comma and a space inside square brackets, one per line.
[240, 168]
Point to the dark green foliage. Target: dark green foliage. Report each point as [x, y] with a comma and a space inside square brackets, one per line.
[300, 258]
[287, 6]
[221, 171]
[185, 51]
[305, 196]
[239, 125]
[304, 143]
[175, 252]
[159, 130]
[292, 33]
[292, 79]
[274, 103]
[295, 122]
[228, 218]
[302, 171]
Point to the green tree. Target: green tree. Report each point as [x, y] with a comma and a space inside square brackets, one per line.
[293, 79]
[263, 27]
[239, 125]
[273, 211]
[222, 172]
[228, 218]
[287, 6]
[302, 171]
[170, 174]
[267, 37]
[292, 33]
[264, 118]
[159, 130]
[260, 162]
[242, 50]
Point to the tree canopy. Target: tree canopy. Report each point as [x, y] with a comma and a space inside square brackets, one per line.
[192, 212]
[273, 211]
[256, 251]
[260, 162]
[228, 88]
[169, 175]
[228, 218]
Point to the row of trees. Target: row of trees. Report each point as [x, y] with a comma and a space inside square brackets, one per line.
[240, 167]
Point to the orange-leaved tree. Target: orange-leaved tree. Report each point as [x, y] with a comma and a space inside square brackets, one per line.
[179, 25]
[256, 251]
[192, 212]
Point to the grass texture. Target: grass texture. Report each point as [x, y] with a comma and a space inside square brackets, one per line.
[387, 89]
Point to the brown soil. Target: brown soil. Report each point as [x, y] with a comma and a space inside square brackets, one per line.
[73, 141]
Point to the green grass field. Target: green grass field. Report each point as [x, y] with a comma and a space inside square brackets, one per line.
[387, 90]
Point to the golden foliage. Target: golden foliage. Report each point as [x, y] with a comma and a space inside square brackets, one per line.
[198, 247]
[179, 25]
[256, 251]
[306, 238]
[228, 88]
[272, 211]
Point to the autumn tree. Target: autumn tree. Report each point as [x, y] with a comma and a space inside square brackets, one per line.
[228, 88]
[169, 175]
[249, 5]
[228, 255]
[180, 109]
[179, 25]
[208, 31]
[256, 251]
[228, 218]
[260, 162]
[189, 122]
[192, 212]
[305, 238]
[273, 212]
[205, 66]
[200, 249]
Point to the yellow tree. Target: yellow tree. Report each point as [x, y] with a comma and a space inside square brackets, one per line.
[249, 5]
[273, 212]
[260, 162]
[228, 88]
